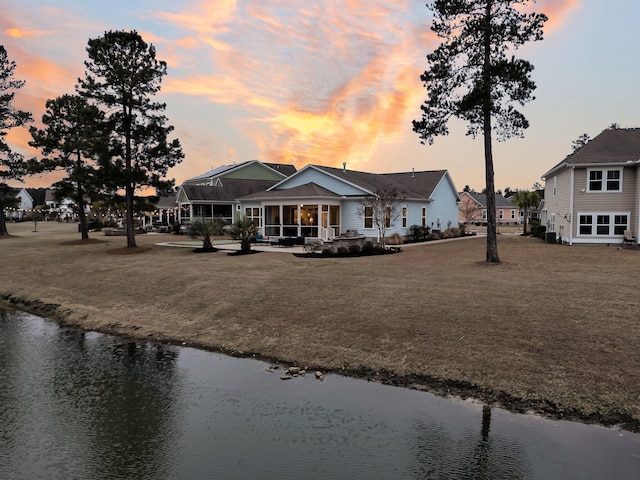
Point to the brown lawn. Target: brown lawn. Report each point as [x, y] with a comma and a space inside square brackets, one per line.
[553, 329]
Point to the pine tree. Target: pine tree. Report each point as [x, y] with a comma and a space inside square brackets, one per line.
[72, 141]
[122, 76]
[12, 164]
[470, 77]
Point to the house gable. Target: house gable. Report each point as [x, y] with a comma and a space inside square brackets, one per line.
[249, 170]
[325, 179]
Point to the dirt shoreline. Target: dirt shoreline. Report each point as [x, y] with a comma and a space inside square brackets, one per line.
[431, 318]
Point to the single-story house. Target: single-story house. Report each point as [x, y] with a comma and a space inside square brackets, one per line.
[593, 195]
[321, 203]
[473, 209]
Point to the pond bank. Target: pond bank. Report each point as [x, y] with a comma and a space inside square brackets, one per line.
[527, 334]
[438, 386]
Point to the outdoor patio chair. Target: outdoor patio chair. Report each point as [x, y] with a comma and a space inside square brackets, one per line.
[628, 237]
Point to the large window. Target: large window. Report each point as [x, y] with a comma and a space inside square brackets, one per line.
[424, 216]
[605, 180]
[603, 224]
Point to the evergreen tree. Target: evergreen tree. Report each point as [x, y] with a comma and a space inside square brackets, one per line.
[470, 77]
[122, 76]
[72, 140]
[12, 164]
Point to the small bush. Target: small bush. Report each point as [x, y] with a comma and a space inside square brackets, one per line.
[175, 228]
[107, 230]
[378, 250]
[342, 251]
[327, 252]
[419, 233]
[537, 230]
[354, 249]
[367, 248]
[395, 239]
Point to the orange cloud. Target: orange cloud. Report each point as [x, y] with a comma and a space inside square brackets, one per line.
[323, 82]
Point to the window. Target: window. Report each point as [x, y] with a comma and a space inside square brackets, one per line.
[500, 214]
[484, 214]
[603, 224]
[253, 214]
[620, 224]
[513, 214]
[404, 217]
[555, 185]
[368, 217]
[424, 216]
[605, 180]
[586, 224]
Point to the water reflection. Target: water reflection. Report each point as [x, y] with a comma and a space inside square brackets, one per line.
[75, 406]
[84, 405]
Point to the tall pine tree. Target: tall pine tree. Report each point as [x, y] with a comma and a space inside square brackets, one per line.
[12, 164]
[122, 76]
[471, 77]
[72, 140]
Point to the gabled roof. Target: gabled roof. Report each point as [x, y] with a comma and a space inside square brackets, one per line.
[229, 191]
[308, 190]
[283, 169]
[619, 146]
[409, 185]
[166, 202]
[38, 195]
[481, 199]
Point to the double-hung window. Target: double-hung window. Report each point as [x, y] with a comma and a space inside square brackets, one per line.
[602, 224]
[368, 217]
[605, 180]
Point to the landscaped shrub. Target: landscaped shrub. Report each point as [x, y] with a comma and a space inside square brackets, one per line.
[537, 230]
[175, 228]
[354, 249]
[395, 239]
[378, 250]
[342, 251]
[451, 233]
[419, 233]
[327, 252]
[367, 248]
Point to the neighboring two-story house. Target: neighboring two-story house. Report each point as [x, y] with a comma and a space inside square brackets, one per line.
[593, 195]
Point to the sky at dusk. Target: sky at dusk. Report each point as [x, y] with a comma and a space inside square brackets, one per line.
[331, 81]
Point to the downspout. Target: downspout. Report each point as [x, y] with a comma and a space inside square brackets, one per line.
[571, 212]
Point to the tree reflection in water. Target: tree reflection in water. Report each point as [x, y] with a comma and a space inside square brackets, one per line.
[444, 453]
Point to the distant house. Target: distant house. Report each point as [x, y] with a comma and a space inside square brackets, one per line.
[473, 209]
[216, 193]
[593, 195]
[322, 203]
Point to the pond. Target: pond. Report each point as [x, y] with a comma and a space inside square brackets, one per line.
[79, 405]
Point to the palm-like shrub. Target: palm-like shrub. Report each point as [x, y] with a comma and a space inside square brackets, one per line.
[204, 230]
[244, 230]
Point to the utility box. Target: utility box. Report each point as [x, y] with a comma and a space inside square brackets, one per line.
[550, 237]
